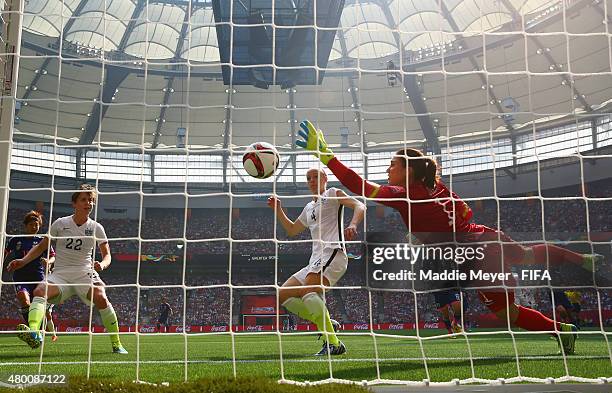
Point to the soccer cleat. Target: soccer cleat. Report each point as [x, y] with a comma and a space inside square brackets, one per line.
[119, 349]
[333, 349]
[567, 340]
[592, 260]
[54, 338]
[31, 338]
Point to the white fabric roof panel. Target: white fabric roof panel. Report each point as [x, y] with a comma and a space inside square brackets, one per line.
[157, 31]
[423, 29]
[362, 12]
[102, 23]
[468, 13]
[48, 17]
[457, 101]
[201, 43]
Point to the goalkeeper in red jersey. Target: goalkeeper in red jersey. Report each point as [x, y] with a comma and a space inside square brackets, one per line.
[435, 215]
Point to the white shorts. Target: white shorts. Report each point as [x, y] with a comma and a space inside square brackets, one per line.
[66, 280]
[333, 269]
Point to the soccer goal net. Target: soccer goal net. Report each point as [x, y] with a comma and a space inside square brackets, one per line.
[155, 102]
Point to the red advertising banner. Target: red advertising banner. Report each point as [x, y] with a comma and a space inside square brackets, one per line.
[259, 304]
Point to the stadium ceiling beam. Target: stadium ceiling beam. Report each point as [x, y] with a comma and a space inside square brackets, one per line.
[594, 135]
[516, 16]
[599, 7]
[416, 100]
[169, 86]
[112, 79]
[409, 81]
[483, 79]
[226, 131]
[485, 82]
[140, 5]
[193, 3]
[353, 89]
[77, 11]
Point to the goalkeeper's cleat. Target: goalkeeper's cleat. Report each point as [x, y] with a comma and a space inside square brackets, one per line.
[54, 338]
[332, 349]
[119, 349]
[336, 326]
[567, 340]
[32, 338]
[591, 261]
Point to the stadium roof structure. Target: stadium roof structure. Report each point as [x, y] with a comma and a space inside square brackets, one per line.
[399, 71]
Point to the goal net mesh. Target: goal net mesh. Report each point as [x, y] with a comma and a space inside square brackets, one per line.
[155, 102]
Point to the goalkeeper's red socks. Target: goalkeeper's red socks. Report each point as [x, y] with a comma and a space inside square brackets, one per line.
[530, 319]
[555, 255]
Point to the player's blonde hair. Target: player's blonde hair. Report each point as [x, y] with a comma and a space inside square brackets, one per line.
[318, 169]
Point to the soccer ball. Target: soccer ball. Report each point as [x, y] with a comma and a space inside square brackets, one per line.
[261, 160]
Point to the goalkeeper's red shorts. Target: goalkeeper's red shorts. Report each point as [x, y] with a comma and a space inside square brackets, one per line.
[497, 301]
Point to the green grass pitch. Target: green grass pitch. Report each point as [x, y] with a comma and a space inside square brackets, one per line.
[161, 357]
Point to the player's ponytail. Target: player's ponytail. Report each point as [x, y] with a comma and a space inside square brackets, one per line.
[424, 169]
[431, 173]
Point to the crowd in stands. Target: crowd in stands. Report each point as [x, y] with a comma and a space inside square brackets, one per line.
[522, 219]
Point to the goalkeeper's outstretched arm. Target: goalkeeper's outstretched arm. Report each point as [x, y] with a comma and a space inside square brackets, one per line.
[313, 140]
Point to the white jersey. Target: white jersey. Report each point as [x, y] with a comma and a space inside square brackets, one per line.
[75, 243]
[324, 218]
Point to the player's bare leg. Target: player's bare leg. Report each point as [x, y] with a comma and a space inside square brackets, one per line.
[50, 325]
[562, 313]
[446, 319]
[23, 298]
[456, 324]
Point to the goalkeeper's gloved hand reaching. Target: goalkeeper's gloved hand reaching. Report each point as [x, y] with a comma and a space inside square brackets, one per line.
[314, 141]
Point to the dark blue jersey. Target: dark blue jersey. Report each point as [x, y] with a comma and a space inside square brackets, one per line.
[17, 248]
[164, 310]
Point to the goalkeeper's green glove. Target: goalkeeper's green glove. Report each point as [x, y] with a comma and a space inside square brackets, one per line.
[314, 141]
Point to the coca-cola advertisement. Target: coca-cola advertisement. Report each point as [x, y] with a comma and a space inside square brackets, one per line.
[187, 329]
